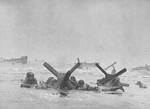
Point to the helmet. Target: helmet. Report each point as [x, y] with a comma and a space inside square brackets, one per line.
[72, 78]
[29, 74]
[81, 82]
[50, 78]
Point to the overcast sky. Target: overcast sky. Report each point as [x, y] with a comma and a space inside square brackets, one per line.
[61, 30]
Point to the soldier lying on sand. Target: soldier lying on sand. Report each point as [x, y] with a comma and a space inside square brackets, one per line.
[72, 84]
[53, 83]
[140, 84]
[84, 86]
[29, 81]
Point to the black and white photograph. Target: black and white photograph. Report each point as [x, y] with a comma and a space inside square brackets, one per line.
[74, 54]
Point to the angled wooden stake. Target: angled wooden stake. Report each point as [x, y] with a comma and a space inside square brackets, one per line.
[51, 69]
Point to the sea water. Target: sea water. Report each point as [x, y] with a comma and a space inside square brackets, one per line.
[14, 97]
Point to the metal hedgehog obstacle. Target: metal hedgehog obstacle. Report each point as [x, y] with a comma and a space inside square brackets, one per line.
[65, 82]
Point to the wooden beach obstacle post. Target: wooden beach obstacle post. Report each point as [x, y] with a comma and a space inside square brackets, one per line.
[110, 65]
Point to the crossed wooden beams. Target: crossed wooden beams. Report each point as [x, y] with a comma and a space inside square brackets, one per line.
[64, 77]
[109, 77]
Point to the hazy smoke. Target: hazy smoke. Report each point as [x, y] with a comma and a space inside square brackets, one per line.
[95, 30]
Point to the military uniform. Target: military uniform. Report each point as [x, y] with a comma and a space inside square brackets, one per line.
[29, 80]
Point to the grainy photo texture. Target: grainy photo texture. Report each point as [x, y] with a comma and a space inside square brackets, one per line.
[74, 54]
